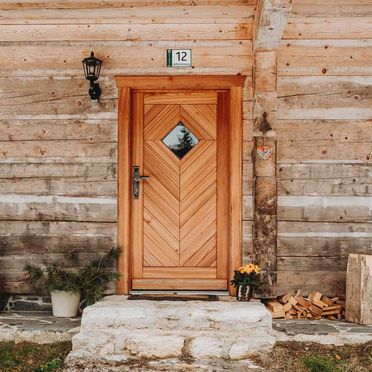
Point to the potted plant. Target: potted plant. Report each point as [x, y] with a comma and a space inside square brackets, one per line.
[70, 288]
[246, 279]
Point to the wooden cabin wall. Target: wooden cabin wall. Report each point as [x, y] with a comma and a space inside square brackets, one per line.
[58, 149]
[324, 143]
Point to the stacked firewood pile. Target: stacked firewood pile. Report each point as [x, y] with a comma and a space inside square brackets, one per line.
[316, 306]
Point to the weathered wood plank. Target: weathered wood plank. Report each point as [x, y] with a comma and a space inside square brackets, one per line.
[338, 186]
[247, 178]
[88, 130]
[342, 131]
[325, 208]
[350, 8]
[324, 179]
[327, 27]
[68, 151]
[132, 15]
[325, 57]
[327, 97]
[247, 241]
[79, 186]
[129, 32]
[331, 283]
[320, 239]
[48, 98]
[89, 4]
[123, 57]
[309, 264]
[25, 237]
[57, 208]
[247, 208]
[94, 171]
[323, 170]
[311, 150]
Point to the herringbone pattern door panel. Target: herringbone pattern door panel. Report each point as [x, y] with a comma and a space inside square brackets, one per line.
[180, 198]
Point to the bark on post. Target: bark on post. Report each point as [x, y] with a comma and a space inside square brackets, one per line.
[270, 21]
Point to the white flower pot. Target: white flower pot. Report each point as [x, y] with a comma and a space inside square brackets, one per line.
[65, 304]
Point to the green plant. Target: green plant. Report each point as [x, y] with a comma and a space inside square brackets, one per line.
[52, 278]
[52, 365]
[95, 277]
[316, 363]
[246, 276]
[91, 280]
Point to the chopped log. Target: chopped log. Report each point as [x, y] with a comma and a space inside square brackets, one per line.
[287, 306]
[277, 314]
[315, 310]
[334, 307]
[303, 302]
[315, 307]
[284, 299]
[314, 296]
[327, 300]
[292, 300]
[274, 306]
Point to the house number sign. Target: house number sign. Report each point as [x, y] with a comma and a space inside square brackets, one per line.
[179, 58]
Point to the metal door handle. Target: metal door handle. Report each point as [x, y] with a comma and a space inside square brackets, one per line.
[136, 181]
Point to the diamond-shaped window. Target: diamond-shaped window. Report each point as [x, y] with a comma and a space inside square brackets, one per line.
[180, 140]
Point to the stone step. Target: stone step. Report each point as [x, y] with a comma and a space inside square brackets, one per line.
[117, 330]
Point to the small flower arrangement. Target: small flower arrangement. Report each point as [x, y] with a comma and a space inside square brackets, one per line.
[246, 278]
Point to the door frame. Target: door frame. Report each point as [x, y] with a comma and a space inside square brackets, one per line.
[126, 84]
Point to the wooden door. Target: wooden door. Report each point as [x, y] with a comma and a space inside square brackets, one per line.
[180, 220]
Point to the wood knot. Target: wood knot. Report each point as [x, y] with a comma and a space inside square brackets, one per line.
[43, 151]
[4, 152]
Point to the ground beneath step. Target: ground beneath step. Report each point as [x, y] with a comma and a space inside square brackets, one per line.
[286, 356]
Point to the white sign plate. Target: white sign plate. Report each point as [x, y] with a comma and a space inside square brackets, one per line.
[179, 58]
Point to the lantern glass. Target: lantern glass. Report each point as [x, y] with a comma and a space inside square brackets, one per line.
[92, 67]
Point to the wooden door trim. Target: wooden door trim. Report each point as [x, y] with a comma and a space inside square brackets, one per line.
[126, 85]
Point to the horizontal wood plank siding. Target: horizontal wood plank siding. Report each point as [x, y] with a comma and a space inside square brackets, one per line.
[58, 149]
[324, 143]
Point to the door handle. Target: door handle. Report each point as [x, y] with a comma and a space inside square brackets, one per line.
[136, 181]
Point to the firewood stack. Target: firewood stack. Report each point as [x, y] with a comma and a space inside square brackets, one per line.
[316, 306]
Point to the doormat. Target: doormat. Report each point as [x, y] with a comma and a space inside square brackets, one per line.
[155, 297]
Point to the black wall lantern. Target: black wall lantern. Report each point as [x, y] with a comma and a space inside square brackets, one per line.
[92, 68]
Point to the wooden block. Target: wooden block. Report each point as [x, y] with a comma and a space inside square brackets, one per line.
[298, 293]
[284, 299]
[277, 314]
[287, 306]
[303, 302]
[274, 305]
[334, 307]
[335, 299]
[315, 310]
[359, 289]
[292, 300]
[331, 312]
[327, 300]
[331, 317]
[315, 296]
[319, 303]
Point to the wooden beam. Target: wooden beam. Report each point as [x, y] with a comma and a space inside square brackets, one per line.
[269, 23]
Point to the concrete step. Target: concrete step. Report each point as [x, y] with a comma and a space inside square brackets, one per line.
[117, 330]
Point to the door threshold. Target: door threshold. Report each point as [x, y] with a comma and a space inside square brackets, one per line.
[181, 293]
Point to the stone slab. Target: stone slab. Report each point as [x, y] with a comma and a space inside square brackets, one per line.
[322, 331]
[117, 329]
[38, 327]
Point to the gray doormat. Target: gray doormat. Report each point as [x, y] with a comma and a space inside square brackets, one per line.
[162, 297]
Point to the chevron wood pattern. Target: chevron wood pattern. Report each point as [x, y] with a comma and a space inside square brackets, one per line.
[180, 197]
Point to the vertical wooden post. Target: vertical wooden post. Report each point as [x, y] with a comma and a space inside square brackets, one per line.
[236, 176]
[264, 167]
[124, 192]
